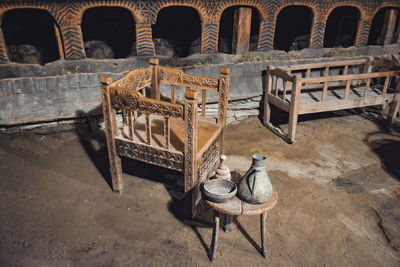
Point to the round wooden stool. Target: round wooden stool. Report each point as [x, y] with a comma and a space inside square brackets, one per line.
[237, 207]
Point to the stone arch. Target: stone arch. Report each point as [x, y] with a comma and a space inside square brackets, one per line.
[177, 31]
[36, 45]
[261, 9]
[198, 6]
[136, 15]
[310, 4]
[304, 43]
[360, 8]
[103, 29]
[335, 34]
[372, 15]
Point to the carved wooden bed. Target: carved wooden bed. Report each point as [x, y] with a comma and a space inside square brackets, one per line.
[320, 87]
[162, 127]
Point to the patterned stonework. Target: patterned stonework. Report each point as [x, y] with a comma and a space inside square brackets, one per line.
[68, 15]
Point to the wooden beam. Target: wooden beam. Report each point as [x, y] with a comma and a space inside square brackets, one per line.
[241, 30]
[388, 26]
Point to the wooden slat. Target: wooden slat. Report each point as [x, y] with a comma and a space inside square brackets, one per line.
[329, 64]
[131, 125]
[346, 70]
[386, 84]
[276, 85]
[367, 87]
[172, 94]
[167, 131]
[285, 87]
[148, 129]
[345, 104]
[349, 77]
[347, 90]
[124, 120]
[325, 88]
[281, 73]
[203, 102]
[276, 101]
[308, 73]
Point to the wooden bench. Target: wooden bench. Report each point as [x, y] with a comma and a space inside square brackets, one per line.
[330, 86]
[162, 123]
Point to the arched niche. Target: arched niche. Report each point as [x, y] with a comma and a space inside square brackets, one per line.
[341, 27]
[30, 36]
[227, 29]
[293, 28]
[177, 31]
[108, 32]
[377, 31]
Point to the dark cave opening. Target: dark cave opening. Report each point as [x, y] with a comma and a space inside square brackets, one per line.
[226, 29]
[108, 32]
[341, 27]
[177, 31]
[293, 27]
[375, 32]
[30, 37]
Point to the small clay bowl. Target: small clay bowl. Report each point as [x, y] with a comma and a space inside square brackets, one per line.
[219, 190]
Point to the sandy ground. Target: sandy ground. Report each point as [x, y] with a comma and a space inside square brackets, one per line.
[338, 186]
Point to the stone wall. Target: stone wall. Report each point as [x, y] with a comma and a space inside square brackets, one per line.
[64, 94]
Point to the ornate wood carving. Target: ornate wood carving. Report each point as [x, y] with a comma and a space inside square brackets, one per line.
[209, 160]
[149, 154]
[133, 100]
[190, 143]
[178, 77]
[110, 129]
[135, 80]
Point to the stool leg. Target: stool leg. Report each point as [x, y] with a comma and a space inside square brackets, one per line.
[263, 218]
[228, 223]
[214, 242]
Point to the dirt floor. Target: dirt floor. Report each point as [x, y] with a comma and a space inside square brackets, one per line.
[338, 185]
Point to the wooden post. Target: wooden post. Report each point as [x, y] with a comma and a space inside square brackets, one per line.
[191, 187]
[110, 129]
[241, 30]
[223, 102]
[294, 108]
[388, 26]
[190, 139]
[155, 79]
[267, 91]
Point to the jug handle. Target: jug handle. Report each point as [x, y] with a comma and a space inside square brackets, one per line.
[251, 182]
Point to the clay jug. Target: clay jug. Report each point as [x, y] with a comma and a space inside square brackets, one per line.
[255, 186]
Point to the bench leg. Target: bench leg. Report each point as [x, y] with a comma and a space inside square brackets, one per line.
[263, 218]
[267, 110]
[293, 124]
[214, 242]
[394, 108]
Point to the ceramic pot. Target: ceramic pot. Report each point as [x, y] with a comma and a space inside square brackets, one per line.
[255, 186]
